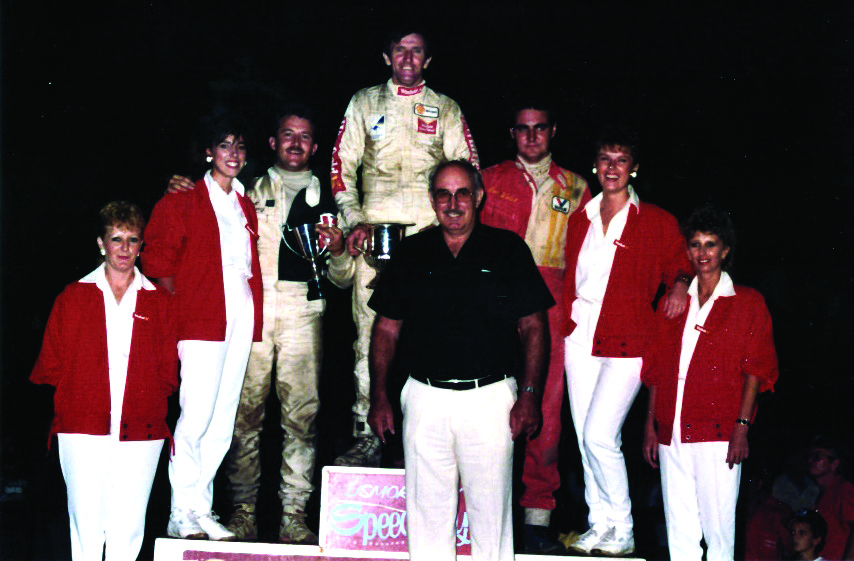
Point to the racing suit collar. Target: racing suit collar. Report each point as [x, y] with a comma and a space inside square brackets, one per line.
[538, 168]
[403, 90]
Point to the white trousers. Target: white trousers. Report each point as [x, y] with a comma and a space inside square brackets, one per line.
[452, 437]
[700, 492]
[211, 378]
[108, 484]
[601, 391]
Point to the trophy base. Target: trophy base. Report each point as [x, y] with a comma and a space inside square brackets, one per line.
[314, 292]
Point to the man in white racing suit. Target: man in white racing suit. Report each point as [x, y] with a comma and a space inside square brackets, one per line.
[398, 132]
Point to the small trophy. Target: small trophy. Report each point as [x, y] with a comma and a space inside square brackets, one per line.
[307, 242]
[386, 237]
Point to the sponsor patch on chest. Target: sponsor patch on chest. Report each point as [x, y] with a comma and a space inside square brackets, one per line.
[377, 129]
[428, 126]
[560, 204]
[427, 111]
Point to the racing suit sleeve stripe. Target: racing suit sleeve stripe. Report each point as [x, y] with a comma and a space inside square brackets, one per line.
[338, 184]
[472, 157]
[458, 142]
[346, 159]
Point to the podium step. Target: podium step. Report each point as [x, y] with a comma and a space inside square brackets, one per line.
[168, 549]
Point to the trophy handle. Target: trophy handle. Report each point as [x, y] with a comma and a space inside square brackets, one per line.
[321, 251]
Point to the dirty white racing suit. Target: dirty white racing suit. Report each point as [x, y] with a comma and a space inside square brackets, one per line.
[291, 341]
[398, 135]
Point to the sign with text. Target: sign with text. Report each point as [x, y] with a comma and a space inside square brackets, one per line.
[364, 509]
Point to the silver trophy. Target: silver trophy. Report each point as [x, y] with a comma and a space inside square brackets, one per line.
[305, 242]
[385, 237]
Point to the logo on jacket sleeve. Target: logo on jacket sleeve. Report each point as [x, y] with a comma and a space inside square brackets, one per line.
[560, 204]
[377, 130]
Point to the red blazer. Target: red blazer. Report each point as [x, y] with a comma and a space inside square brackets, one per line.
[737, 341]
[651, 251]
[74, 359]
[182, 241]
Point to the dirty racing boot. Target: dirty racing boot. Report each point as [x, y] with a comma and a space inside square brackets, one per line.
[242, 523]
[366, 452]
[294, 531]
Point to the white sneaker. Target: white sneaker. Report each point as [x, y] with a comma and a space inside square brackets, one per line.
[215, 531]
[615, 544]
[183, 524]
[590, 539]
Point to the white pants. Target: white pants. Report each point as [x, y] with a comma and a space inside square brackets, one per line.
[452, 437]
[108, 484]
[211, 378]
[601, 391]
[700, 492]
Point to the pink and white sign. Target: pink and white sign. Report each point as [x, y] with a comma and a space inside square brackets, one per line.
[364, 509]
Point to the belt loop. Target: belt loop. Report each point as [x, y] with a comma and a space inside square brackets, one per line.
[477, 384]
[428, 382]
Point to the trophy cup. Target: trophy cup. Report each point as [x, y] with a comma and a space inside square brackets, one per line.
[386, 236]
[307, 242]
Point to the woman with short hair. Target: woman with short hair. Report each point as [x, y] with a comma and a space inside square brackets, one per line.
[704, 373]
[109, 348]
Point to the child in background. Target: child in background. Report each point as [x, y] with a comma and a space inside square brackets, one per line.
[809, 531]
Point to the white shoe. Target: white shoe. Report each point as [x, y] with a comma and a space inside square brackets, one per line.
[590, 539]
[215, 531]
[183, 524]
[615, 544]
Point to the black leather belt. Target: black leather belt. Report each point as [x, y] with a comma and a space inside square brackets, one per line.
[460, 385]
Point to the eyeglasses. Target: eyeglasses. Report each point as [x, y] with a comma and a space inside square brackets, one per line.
[462, 196]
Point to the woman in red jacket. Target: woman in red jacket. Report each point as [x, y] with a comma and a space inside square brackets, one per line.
[109, 348]
[704, 373]
[201, 244]
[618, 251]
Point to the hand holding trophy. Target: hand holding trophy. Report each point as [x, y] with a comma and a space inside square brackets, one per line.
[306, 242]
[385, 237]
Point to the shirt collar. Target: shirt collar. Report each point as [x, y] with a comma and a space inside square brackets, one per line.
[99, 278]
[594, 207]
[236, 185]
[724, 288]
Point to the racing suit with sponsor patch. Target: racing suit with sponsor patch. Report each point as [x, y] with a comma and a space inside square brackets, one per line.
[291, 340]
[535, 201]
[398, 135]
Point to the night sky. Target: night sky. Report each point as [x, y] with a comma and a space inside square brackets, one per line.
[749, 107]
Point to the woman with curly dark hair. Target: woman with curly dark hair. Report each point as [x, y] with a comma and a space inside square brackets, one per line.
[202, 245]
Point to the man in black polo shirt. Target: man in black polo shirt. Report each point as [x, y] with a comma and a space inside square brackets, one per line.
[464, 307]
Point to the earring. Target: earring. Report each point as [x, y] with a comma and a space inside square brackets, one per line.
[209, 159]
[103, 251]
[594, 170]
[634, 174]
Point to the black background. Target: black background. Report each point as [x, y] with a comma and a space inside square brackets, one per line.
[749, 106]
